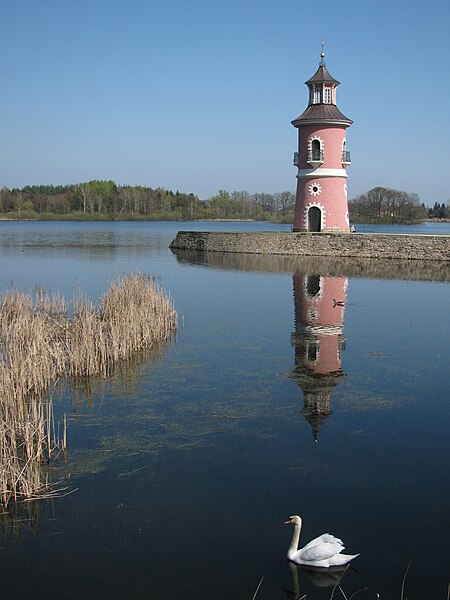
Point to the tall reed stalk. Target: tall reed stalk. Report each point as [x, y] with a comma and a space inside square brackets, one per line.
[43, 338]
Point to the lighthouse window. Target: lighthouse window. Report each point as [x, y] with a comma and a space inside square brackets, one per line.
[313, 351]
[312, 286]
[327, 95]
[318, 96]
[315, 147]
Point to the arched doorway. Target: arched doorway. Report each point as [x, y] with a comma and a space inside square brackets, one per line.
[314, 219]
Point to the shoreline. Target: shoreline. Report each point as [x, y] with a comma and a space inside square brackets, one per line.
[224, 220]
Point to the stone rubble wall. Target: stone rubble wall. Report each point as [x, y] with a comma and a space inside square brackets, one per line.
[360, 245]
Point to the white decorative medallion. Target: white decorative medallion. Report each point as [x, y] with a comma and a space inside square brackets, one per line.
[314, 189]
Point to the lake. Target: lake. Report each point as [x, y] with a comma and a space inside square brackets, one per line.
[273, 400]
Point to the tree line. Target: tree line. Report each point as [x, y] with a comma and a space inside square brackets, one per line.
[106, 200]
[439, 211]
[386, 205]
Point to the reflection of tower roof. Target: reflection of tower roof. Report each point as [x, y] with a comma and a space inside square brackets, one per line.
[316, 408]
[317, 389]
[315, 382]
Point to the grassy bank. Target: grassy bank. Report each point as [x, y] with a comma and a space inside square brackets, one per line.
[44, 338]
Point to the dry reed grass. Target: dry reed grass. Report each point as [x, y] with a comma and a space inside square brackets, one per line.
[43, 338]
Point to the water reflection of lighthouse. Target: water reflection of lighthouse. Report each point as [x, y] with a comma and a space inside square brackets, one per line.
[319, 304]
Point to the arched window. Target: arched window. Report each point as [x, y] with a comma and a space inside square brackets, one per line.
[327, 96]
[318, 96]
[315, 148]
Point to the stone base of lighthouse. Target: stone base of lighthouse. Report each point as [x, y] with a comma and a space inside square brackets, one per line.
[321, 205]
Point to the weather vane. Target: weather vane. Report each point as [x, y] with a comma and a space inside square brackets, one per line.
[322, 54]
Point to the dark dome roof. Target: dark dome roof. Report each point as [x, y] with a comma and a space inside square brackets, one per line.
[321, 112]
[322, 76]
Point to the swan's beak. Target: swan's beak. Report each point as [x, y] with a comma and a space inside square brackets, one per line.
[288, 522]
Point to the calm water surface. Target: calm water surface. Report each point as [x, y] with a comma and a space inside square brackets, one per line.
[427, 227]
[272, 401]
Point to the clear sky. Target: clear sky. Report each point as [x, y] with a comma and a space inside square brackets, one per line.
[198, 95]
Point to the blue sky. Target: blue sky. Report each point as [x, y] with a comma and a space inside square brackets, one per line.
[198, 96]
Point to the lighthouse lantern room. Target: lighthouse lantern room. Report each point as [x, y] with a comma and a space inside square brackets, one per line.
[322, 159]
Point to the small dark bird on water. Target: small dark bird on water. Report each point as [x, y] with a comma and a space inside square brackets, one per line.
[338, 302]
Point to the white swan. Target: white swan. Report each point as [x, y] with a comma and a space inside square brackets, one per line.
[324, 551]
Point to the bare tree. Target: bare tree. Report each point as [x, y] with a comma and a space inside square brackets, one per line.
[386, 205]
[285, 202]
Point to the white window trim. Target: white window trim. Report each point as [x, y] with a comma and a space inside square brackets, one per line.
[311, 140]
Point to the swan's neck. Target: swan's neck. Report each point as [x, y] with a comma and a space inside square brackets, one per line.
[296, 537]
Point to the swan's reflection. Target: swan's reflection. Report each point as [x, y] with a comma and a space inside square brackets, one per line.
[321, 578]
[319, 305]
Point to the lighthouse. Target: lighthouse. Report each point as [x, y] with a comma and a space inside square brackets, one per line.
[322, 159]
[318, 339]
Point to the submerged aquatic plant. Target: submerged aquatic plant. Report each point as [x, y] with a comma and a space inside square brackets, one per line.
[43, 338]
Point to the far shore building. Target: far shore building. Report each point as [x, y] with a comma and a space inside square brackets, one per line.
[322, 159]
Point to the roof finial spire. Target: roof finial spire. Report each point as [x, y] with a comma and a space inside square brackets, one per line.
[322, 54]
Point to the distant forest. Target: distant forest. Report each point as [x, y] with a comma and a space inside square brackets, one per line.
[105, 200]
[385, 205]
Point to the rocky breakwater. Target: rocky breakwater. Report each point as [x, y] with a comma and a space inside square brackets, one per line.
[361, 245]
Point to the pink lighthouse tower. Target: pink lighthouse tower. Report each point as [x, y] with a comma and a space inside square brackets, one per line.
[322, 158]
